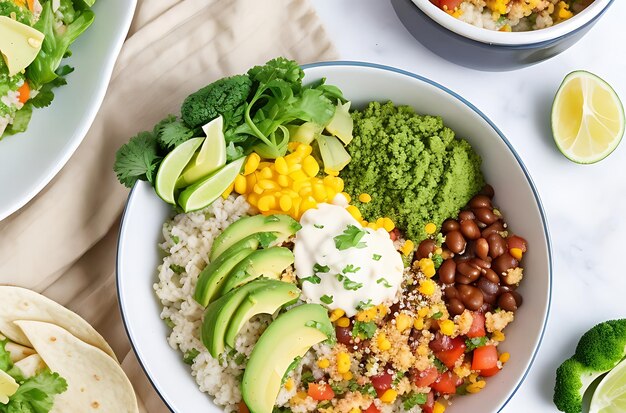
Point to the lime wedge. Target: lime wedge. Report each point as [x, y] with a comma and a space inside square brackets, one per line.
[172, 166]
[610, 395]
[210, 158]
[587, 118]
[203, 193]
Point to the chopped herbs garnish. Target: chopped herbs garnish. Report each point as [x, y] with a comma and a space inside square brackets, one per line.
[368, 389]
[239, 359]
[350, 269]
[330, 332]
[364, 305]
[177, 268]
[441, 368]
[462, 389]
[474, 343]
[384, 282]
[437, 260]
[397, 377]
[437, 315]
[413, 400]
[266, 238]
[175, 239]
[364, 329]
[307, 377]
[317, 268]
[318, 226]
[326, 299]
[376, 257]
[291, 368]
[190, 356]
[348, 284]
[313, 279]
[350, 238]
[168, 322]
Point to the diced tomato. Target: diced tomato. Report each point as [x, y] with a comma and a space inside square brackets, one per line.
[446, 383]
[430, 403]
[425, 378]
[515, 241]
[24, 92]
[485, 358]
[243, 408]
[478, 325]
[456, 350]
[372, 409]
[381, 383]
[449, 5]
[320, 392]
[490, 372]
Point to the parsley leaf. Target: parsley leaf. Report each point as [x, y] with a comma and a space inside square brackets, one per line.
[46, 95]
[313, 279]
[364, 329]
[266, 238]
[364, 305]
[318, 226]
[376, 257]
[474, 343]
[384, 282]
[137, 160]
[307, 377]
[437, 315]
[190, 356]
[437, 260]
[348, 284]
[317, 268]
[441, 368]
[350, 238]
[350, 269]
[326, 299]
[413, 400]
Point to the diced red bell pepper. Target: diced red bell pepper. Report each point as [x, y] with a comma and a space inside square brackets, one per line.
[485, 358]
[446, 383]
[321, 392]
[490, 372]
[372, 409]
[425, 378]
[456, 351]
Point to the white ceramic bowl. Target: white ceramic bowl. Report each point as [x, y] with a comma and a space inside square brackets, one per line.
[138, 256]
[28, 161]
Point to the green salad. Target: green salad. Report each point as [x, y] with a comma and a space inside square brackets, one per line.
[35, 36]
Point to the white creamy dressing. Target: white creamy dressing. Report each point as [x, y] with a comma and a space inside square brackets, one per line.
[369, 273]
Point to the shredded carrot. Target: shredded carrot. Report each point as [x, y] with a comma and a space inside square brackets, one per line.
[24, 92]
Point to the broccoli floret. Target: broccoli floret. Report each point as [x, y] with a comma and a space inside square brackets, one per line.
[604, 346]
[598, 351]
[224, 97]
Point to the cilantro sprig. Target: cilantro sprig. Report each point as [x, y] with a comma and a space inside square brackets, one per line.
[350, 238]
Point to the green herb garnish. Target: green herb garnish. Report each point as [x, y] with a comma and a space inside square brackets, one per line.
[313, 279]
[317, 268]
[364, 305]
[326, 299]
[177, 269]
[190, 356]
[350, 238]
[474, 343]
[364, 329]
[414, 399]
[376, 257]
[384, 282]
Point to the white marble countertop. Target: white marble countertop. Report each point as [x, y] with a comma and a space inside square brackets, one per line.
[585, 205]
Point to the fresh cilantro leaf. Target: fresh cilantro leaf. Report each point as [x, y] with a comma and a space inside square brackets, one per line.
[175, 239]
[313, 279]
[329, 331]
[475, 342]
[171, 132]
[307, 377]
[364, 305]
[441, 368]
[350, 238]
[462, 389]
[437, 315]
[327, 299]
[350, 269]
[137, 160]
[317, 268]
[190, 356]
[437, 260]
[36, 394]
[414, 399]
[266, 238]
[318, 226]
[5, 357]
[364, 329]
[348, 284]
[376, 257]
[233, 152]
[397, 377]
[178, 269]
[384, 282]
[45, 95]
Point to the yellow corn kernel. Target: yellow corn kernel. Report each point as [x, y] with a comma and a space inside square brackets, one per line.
[427, 287]
[305, 191]
[388, 224]
[438, 251]
[333, 182]
[381, 310]
[319, 192]
[439, 408]
[298, 185]
[365, 198]
[498, 335]
[418, 323]
[403, 322]
[343, 322]
[289, 384]
[228, 190]
[250, 182]
[343, 362]
[336, 314]
[330, 192]
[354, 409]
[516, 253]
[347, 376]
[389, 396]
[283, 181]
[473, 377]
[423, 312]
[294, 162]
[430, 228]
[372, 225]
[407, 248]
[427, 266]
[331, 172]
[240, 184]
[292, 146]
[382, 342]
[253, 199]
[347, 196]
[252, 163]
[266, 173]
[323, 363]
[298, 175]
[281, 166]
[308, 203]
[476, 387]
[354, 211]
[285, 203]
[504, 357]
[447, 327]
[266, 202]
[563, 11]
[304, 149]
[505, 28]
[267, 184]
[310, 166]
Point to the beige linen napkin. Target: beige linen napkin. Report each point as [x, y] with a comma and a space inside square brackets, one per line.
[63, 243]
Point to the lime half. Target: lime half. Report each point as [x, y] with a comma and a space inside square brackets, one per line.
[587, 118]
[203, 193]
[610, 395]
[172, 166]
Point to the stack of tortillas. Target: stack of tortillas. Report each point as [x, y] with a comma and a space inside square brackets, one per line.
[43, 334]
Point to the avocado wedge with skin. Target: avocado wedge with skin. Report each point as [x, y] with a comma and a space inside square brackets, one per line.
[269, 263]
[268, 300]
[283, 226]
[290, 336]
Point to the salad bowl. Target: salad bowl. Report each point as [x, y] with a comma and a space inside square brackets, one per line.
[141, 231]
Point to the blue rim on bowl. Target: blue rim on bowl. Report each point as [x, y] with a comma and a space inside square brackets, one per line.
[544, 222]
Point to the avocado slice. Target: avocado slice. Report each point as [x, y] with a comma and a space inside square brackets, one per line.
[219, 312]
[290, 336]
[268, 300]
[212, 276]
[269, 263]
[283, 226]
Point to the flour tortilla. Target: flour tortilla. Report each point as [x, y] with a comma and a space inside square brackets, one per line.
[22, 304]
[96, 383]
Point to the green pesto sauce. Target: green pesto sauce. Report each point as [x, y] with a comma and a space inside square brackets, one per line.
[413, 167]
